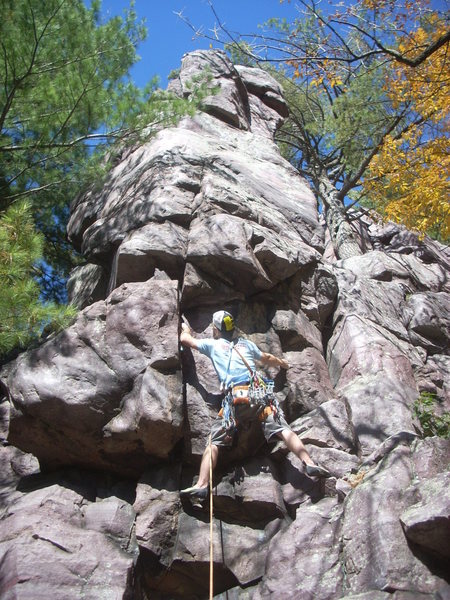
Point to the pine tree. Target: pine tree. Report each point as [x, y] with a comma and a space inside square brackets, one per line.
[22, 313]
[67, 107]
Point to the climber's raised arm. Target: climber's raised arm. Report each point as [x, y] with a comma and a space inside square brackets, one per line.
[186, 337]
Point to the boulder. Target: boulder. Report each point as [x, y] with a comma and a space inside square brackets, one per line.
[376, 553]
[432, 377]
[308, 381]
[381, 302]
[14, 464]
[250, 494]
[303, 560]
[318, 294]
[431, 457]
[428, 320]
[374, 375]
[156, 245]
[86, 391]
[267, 89]
[297, 488]
[86, 284]
[427, 523]
[230, 103]
[403, 267]
[157, 507]
[327, 426]
[55, 543]
[296, 331]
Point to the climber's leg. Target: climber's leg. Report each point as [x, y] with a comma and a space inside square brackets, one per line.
[203, 477]
[277, 425]
[200, 489]
[219, 437]
[295, 445]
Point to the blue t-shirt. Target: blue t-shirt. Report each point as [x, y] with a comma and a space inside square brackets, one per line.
[229, 366]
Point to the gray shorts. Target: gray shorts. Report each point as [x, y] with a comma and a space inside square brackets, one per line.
[271, 425]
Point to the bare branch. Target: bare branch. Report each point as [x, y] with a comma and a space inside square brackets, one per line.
[31, 191]
[82, 138]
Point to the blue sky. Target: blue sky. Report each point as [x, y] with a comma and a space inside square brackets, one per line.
[169, 38]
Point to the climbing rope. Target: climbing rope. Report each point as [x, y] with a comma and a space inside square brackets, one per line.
[211, 547]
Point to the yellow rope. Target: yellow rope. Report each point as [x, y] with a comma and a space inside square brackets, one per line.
[211, 553]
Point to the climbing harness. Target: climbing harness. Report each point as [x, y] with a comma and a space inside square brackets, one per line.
[257, 391]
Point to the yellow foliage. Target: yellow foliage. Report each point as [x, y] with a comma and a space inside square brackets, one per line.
[355, 479]
[317, 82]
[372, 4]
[334, 81]
[408, 181]
[408, 178]
[390, 4]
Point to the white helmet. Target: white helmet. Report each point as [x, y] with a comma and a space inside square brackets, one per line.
[223, 320]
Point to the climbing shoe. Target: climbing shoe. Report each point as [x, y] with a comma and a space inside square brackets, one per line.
[194, 493]
[316, 471]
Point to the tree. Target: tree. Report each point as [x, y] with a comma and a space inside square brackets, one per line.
[62, 77]
[336, 70]
[408, 178]
[61, 82]
[22, 313]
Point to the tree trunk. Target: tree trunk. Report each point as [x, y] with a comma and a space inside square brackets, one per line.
[343, 236]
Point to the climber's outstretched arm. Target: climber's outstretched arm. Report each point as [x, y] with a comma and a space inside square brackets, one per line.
[272, 361]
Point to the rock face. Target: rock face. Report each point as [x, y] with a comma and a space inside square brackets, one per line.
[104, 423]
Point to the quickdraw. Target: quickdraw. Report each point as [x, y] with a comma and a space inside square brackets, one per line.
[227, 413]
[261, 392]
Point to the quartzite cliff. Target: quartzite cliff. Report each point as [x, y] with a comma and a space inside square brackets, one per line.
[103, 423]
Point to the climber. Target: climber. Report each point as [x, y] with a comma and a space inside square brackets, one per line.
[233, 359]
